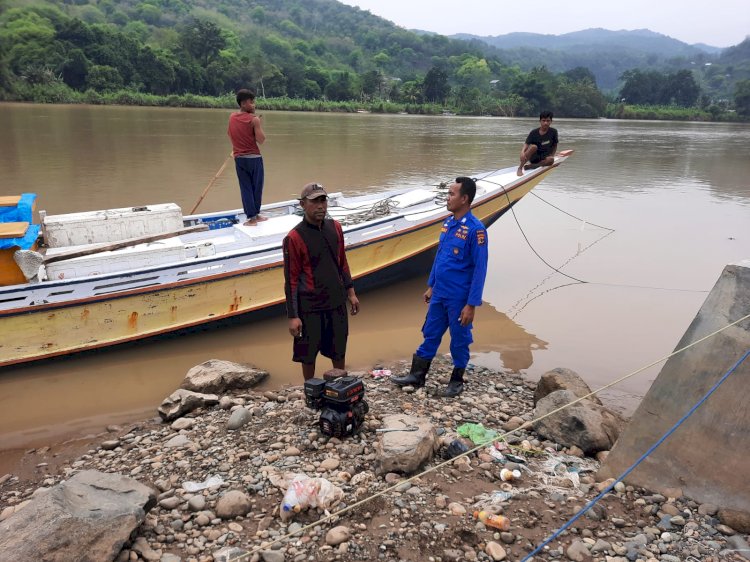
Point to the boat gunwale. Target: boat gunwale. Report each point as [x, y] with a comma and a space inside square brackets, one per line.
[186, 283]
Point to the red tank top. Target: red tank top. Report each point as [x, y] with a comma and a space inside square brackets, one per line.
[242, 133]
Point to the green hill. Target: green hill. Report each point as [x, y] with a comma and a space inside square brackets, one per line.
[324, 51]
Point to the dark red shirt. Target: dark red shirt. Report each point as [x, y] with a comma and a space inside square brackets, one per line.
[316, 273]
[242, 133]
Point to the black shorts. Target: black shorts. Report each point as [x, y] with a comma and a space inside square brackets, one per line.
[325, 332]
[538, 157]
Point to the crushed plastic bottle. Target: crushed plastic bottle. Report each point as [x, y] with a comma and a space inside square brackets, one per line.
[491, 520]
[304, 492]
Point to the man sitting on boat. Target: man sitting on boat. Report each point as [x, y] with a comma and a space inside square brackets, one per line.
[540, 146]
[317, 283]
[454, 289]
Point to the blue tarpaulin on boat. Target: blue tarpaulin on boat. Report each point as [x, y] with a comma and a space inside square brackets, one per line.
[24, 242]
[21, 212]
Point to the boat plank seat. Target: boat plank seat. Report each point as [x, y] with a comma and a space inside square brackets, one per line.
[13, 229]
[9, 200]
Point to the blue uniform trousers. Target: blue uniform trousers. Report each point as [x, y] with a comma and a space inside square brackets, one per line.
[443, 314]
[250, 175]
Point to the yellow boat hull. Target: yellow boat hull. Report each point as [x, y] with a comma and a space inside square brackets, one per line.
[50, 330]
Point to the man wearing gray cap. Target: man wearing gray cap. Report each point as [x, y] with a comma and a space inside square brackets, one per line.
[318, 284]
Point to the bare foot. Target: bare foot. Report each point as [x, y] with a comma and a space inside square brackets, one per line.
[260, 218]
[531, 166]
[519, 172]
[251, 222]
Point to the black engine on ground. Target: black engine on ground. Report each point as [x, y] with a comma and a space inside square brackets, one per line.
[341, 403]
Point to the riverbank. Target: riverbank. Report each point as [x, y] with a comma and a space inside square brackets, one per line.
[61, 94]
[424, 518]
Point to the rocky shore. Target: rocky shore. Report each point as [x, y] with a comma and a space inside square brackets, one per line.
[206, 481]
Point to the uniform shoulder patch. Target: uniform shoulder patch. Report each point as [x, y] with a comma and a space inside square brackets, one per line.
[481, 237]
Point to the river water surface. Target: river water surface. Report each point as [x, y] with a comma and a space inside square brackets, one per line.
[676, 196]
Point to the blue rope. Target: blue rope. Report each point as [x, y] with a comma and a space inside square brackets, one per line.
[634, 465]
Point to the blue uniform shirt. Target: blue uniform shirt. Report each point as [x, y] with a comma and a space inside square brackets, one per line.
[460, 266]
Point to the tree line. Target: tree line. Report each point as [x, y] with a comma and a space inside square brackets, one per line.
[311, 50]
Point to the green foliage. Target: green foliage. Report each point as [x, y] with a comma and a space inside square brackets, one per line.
[742, 98]
[316, 53]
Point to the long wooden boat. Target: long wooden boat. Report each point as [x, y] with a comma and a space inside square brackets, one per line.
[84, 297]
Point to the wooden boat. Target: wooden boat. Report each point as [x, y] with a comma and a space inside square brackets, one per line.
[90, 292]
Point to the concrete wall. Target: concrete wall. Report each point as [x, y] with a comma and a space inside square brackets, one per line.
[708, 456]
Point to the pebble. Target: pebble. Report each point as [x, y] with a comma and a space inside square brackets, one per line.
[278, 437]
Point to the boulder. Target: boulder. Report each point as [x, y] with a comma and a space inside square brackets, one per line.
[405, 451]
[561, 378]
[736, 519]
[217, 376]
[87, 518]
[586, 425]
[182, 401]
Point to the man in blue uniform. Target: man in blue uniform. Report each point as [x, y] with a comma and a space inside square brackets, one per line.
[454, 289]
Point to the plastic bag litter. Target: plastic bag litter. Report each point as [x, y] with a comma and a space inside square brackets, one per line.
[209, 482]
[478, 434]
[304, 492]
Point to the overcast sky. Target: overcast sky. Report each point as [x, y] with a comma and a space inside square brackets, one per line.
[720, 23]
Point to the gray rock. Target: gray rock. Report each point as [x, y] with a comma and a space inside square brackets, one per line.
[182, 401]
[239, 418]
[577, 551]
[183, 423]
[405, 451]
[272, 556]
[88, 518]
[561, 378]
[197, 503]
[216, 376]
[337, 535]
[178, 441]
[232, 504]
[229, 553]
[495, 551]
[110, 444]
[586, 425]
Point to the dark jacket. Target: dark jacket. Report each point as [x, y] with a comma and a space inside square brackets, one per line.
[316, 273]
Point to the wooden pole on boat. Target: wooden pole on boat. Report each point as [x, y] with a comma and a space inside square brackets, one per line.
[211, 183]
[124, 243]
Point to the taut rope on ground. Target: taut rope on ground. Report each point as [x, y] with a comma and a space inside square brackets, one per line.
[525, 425]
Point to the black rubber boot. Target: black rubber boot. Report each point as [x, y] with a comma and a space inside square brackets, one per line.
[417, 374]
[456, 384]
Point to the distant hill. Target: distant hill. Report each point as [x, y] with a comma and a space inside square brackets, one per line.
[606, 53]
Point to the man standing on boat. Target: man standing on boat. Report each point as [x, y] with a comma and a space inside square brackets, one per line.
[246, 132]
[318, 284]
[454, 289]
[540, 146]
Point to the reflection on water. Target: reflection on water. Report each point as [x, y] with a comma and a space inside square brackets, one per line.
[135, 379]
[676, 195]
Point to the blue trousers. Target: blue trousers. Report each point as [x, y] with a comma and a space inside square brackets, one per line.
[250, 175]
[443, 315]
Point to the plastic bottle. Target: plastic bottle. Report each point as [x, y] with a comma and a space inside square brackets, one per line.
[490, 520]
[507, 475]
